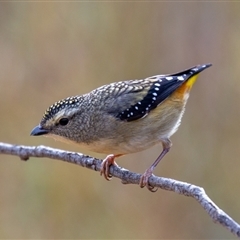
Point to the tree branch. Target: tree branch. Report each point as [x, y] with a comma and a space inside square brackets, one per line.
[198, 193]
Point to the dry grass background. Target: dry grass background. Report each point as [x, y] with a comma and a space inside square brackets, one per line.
[51, 50]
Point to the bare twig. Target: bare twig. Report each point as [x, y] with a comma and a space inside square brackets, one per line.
[198, 193]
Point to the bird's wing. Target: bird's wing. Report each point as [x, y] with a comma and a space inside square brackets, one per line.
[133, 99]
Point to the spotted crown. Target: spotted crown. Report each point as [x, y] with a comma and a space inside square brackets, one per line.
[70, 102]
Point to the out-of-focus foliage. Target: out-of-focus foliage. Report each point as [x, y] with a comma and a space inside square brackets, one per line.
[49, 51]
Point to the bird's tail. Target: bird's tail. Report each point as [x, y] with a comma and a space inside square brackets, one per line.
[191, 76]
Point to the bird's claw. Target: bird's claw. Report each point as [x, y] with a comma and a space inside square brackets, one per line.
[144, 181]
[105, 166]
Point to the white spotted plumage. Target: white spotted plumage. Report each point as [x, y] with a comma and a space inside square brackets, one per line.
[157, 88]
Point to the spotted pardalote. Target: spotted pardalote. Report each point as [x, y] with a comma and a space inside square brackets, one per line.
[123, 117]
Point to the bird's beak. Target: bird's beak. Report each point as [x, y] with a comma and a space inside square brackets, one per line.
[38, 130]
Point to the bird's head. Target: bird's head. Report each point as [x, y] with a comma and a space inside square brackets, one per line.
[61, 120]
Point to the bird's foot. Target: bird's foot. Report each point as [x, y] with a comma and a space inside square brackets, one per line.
[105, 166]
[144, 180]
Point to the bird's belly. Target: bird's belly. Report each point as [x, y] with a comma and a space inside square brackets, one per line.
[109, 147]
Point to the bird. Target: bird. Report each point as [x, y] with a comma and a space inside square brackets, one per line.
[123, 117]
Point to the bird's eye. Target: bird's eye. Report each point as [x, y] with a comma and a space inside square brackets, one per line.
[63, 121]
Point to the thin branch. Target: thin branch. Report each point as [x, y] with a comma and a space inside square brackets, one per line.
[127, 177]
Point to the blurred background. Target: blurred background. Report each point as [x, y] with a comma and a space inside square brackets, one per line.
[49, 51]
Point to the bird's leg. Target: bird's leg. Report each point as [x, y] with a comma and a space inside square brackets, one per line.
[105, 165]
[148, 173]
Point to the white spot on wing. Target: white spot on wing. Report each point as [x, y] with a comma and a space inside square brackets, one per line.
[180, 78]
